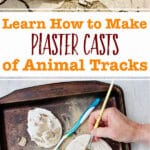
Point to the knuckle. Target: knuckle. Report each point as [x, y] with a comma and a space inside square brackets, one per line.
[112, 110]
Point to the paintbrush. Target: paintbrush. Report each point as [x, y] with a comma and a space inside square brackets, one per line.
[100, 114]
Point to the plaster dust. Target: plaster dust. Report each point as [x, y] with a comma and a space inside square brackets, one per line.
[46, 4]
[106, 5]
[77, 106]
[76, 109]
[73, 5]
[101, 5]
[61, 4]
[123, 4]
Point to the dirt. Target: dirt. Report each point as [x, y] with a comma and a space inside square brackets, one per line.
[49, 5]
[73, 4]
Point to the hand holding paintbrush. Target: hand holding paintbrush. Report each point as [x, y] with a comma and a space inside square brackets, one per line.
[100, 114]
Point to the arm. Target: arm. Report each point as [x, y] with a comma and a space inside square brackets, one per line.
[116, 126]
[143, 134]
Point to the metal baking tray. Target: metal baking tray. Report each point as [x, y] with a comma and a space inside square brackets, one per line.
[67, 100]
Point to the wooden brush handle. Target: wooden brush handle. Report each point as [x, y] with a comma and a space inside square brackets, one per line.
[104, 105]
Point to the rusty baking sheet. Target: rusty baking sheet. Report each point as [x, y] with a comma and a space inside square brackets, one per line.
[66, 100]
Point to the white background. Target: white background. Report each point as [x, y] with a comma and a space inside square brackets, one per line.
[16, 43]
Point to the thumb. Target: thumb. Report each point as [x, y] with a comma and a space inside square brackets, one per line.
[101, 132]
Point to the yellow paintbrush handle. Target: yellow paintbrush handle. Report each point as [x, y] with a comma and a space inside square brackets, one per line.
[98, 119]
[104, 105]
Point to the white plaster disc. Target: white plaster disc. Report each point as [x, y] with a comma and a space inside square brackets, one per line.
[44, 128]
[80, 143]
